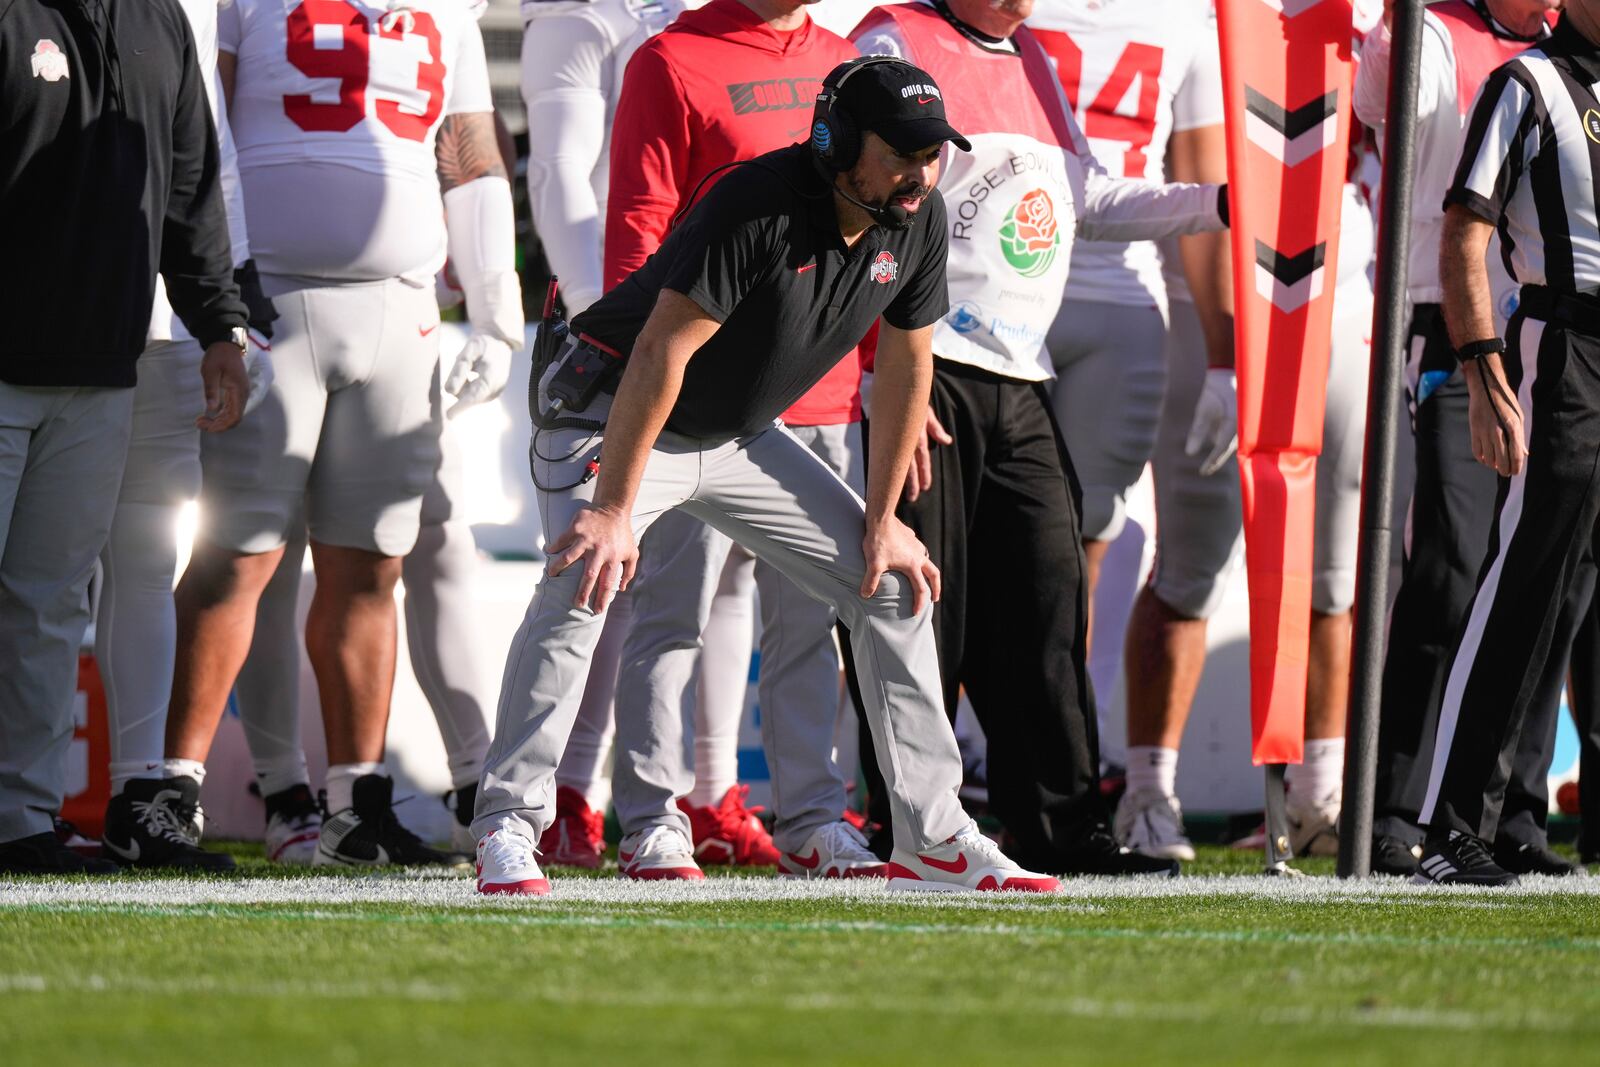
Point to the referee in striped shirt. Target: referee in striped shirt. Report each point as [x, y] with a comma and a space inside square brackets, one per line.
[1529, 167]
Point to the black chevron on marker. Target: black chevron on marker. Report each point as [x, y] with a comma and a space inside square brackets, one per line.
[1291, 124]
[1291, 269]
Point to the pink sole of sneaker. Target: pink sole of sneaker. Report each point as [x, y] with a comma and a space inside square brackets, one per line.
[904, 880]
[858, 872]
[665, 874]
[532, 887]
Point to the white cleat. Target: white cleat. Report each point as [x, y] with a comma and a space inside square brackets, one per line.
[1151, 823]
[834, 850]
[507, 863]
[294, 825]
[658, 854]
[1313, 823]
[967, 861]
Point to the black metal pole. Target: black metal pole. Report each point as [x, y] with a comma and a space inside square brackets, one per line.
[1389, 329]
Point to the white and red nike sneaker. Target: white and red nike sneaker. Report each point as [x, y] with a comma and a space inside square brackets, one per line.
[507, 864]
[966, 861]
[834, 850]
[660, 853]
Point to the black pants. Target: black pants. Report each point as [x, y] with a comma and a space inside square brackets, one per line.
[1585, 695]
[1452, 508]
[1540, 546]
[1002, 524]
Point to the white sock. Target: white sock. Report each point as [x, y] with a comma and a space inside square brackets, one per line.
[716, 768]
[1322, 773]
[184, 768]
[279, 772]
[342, 779]
[123, 773]
[1153, 767]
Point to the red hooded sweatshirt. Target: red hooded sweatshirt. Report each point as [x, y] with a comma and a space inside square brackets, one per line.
[717, 85]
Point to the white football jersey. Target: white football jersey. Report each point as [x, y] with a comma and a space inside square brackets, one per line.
[1123, 64]
[335, 112]
[574, 53]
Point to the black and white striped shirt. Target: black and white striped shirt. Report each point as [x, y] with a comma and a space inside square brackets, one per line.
[1531, 160]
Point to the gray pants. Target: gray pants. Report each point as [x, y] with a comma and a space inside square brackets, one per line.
[680, 564]
[777, 498]
[61, 458]
[1200, 518]
[1110, 377]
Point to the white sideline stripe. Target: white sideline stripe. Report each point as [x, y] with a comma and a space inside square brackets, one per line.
[1483, 603]
[721, 999]
[453, 891]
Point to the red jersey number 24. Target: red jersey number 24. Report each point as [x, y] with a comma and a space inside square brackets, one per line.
[1102, 121]
[332, 39]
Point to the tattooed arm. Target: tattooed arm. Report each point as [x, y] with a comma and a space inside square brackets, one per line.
[468, 149]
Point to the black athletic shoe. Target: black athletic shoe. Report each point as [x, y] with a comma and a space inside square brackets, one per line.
[45, 854]
[1459, 859]
[1390, 855]
[1533, 859]
[367, 834]
[1097, 852]
[155, 823]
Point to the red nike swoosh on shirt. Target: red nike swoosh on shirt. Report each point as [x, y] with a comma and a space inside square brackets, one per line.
[924, 99]
[808, 862]
[421, 332]
[802, 270]
[955, 866]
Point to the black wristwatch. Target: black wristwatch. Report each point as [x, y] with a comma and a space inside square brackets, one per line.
[1491, 346]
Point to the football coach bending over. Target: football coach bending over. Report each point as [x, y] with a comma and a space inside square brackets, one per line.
[767, 283]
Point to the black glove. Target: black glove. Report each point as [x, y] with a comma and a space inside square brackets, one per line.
[262, 313]
[1222, 204]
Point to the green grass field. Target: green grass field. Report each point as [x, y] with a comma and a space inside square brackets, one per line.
[1217, 967]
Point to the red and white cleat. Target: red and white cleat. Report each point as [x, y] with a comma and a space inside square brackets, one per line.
[966, 861]
[730, 832]
[834, 850]
[507, 864]
[578, 836]
[660, 853]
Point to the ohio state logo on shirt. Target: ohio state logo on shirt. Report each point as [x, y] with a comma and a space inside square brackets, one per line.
[49, 62]
[884, 268]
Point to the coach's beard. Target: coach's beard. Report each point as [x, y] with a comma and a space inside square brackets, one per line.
[892, 213]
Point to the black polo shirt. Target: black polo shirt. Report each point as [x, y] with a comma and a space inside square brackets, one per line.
[762, 254]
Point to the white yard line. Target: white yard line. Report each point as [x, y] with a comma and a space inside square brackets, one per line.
[457, 892]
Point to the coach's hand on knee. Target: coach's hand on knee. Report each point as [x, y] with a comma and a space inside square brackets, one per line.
[891, 546]
[1495, 417]
[602, 539]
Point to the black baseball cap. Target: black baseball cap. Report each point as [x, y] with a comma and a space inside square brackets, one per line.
[901, 104]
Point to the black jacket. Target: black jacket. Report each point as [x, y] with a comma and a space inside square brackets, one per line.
[108, 173]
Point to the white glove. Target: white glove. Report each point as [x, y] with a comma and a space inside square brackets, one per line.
[258, 368]
[1214, 433]
[479, 373]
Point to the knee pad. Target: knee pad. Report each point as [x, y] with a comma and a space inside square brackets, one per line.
[1105, 512]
